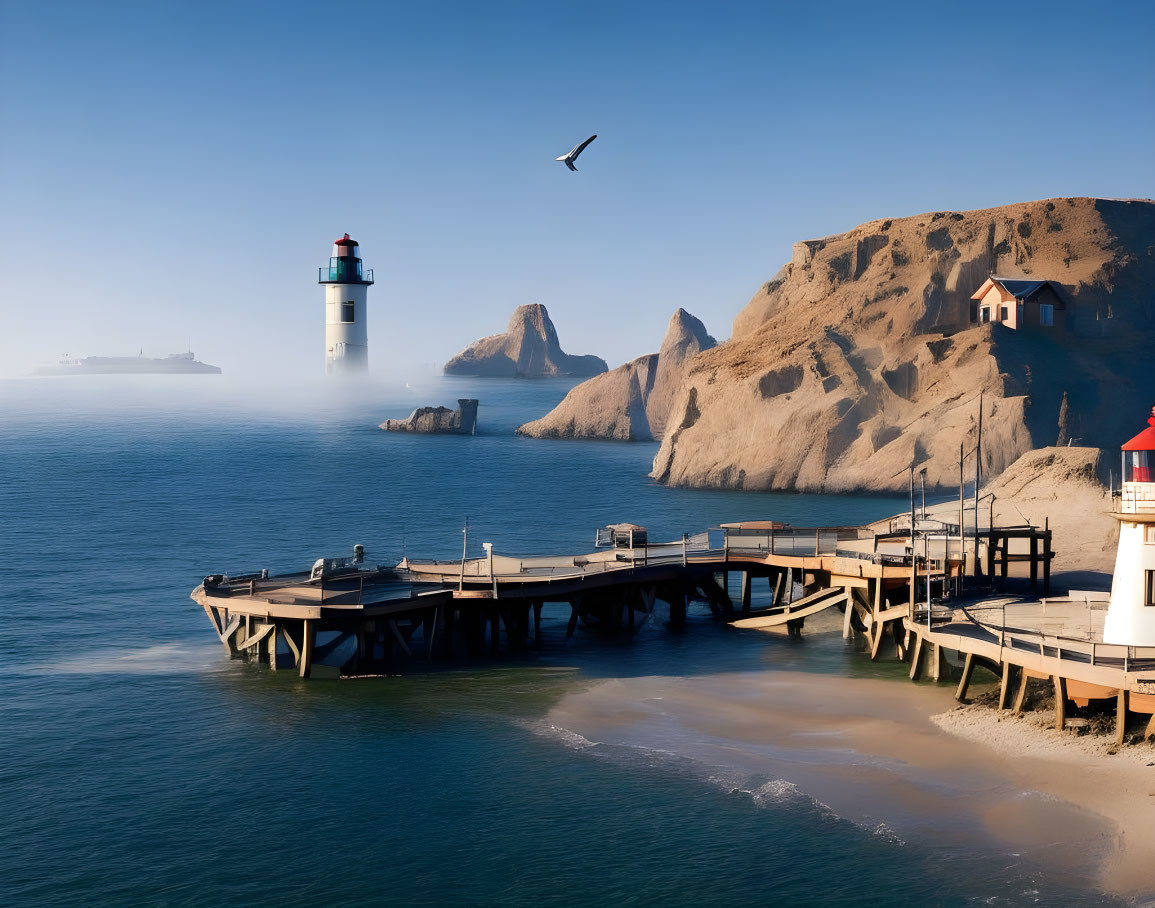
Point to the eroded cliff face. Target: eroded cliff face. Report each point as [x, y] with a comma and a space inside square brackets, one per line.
[529, 348]
[632, 402]
[859, 358]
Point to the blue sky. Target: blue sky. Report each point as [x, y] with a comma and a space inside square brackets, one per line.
[174, 173]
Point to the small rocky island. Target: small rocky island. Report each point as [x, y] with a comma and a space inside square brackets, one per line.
[529, 348]
[438, 420]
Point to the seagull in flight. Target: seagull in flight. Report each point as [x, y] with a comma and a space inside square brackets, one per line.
[571, 156]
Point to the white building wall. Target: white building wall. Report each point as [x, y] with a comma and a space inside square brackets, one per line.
[346, 343]
[1130, 621]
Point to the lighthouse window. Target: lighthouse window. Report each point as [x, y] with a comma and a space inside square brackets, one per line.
[1149, 576]
[347, 312]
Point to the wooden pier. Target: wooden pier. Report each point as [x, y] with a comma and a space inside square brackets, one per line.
[902, 602]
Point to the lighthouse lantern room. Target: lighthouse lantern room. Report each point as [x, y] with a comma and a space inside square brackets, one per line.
[346, 286]
[1131, 615]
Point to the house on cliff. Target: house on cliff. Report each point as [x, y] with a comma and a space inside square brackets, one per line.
[1020, 304]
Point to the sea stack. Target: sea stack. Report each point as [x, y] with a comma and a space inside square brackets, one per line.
[438, 420]
[632, 402]
[529, 348]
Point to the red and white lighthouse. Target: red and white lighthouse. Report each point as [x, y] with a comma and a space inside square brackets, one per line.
[1131, 615]
[346, 285]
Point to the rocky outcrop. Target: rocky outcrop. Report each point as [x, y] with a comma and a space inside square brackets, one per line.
[859, 358]
[632, 402]
[438, 420]
[529, 348]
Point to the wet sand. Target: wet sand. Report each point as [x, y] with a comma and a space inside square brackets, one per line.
[899, 759]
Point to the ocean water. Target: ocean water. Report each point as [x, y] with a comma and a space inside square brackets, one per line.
[141, 766]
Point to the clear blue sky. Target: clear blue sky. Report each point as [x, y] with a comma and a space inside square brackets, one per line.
[175, 172]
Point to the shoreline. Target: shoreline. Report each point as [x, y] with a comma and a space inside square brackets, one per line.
[900, 759]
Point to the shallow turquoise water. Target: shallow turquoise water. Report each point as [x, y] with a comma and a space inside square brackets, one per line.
[140, 766]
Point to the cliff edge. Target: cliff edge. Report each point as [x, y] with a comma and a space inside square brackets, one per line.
[632, 402]
[529, 348]
[864, 354]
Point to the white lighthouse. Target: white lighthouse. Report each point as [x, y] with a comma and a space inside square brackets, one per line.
[346, 331]
[1131, 616]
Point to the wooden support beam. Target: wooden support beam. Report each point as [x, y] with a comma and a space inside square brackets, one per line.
[211, 612]
[429, 626]
[1121, 704]
[916, 658]
[877, 630]
[1150, 731]
[1005, 685]
[746, 594]
[1047, 563]
[308, 642]
[227, 634]
[399, 637]
[1021, 696]
[1034, 563]
[1060, 701]
[960, 693]
[1006, 557]
[938, 664]
[847, 614]
[777, 588]
[255, 637]
[573, 620]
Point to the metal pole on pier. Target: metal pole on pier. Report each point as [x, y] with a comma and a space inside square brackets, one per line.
[962, 546]
[464, 544]
[913, 565]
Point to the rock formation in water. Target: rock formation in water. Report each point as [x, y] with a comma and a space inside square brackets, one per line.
[630, 403]
[438, 420]
[860, 358]
[528, 349]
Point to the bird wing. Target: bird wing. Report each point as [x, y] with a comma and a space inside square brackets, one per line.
[569, 164]
[580, 148]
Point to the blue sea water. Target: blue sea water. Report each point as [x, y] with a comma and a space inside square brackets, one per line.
[140, 766]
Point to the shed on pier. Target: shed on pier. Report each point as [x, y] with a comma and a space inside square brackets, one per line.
[622, 536]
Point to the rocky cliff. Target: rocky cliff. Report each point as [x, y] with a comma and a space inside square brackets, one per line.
[630, 403]
[859, 357]
[438, 420]
[529, 348]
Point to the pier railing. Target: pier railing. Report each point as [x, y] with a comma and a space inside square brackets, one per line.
[1084, 650]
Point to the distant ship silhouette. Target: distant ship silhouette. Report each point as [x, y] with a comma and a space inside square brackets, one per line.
[173, 364]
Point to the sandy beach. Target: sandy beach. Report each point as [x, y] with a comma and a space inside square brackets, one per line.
[898, 759]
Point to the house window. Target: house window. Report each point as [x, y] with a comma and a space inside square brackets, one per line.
[347, 312]
[1149, 534]
[1005, 313]
[1046, 314]
[986, 313]
[1149, 587]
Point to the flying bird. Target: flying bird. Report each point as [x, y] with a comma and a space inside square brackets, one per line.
[572, 155]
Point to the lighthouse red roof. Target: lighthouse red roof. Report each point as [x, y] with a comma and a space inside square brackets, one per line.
[1145, 440]
[345, 241]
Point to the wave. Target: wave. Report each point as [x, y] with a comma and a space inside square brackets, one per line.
[162, 659]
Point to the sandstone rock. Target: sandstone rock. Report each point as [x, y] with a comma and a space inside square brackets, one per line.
[528, 349]
[859, 357]
[434, 420]
[630, 403]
